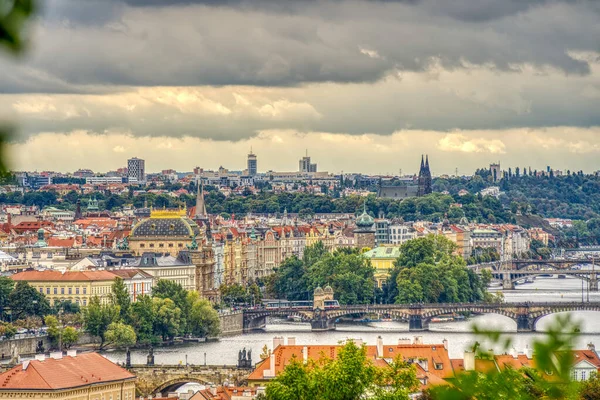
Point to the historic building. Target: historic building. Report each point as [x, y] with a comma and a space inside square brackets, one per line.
[364, 234]
[85, 376]
[75, 286]
[424, 178]
[165, 231]
[180, 269]
[382, 259]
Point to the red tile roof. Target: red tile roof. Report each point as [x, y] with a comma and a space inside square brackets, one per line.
[67, 372]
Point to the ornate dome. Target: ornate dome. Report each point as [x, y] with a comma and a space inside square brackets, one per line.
[328, 290]
[318, 291]
[364, 220]
[165, 224]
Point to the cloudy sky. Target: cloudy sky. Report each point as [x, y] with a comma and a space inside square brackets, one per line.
[362, 85]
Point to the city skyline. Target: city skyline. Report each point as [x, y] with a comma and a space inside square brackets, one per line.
[365, 85]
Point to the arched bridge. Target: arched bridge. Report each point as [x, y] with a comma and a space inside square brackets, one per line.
[526, 315]
[162, 379]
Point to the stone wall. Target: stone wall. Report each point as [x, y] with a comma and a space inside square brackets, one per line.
[232, 324]
[22, 346]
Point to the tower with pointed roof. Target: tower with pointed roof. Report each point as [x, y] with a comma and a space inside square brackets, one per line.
[424, 177]
[364, 234]
[200, 205]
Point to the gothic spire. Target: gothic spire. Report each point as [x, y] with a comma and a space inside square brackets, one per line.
[200, 205]
[427, 162]
[422, 163]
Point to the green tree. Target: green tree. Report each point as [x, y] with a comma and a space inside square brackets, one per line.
[590, 389]
[6, 287]
[98, 316]
[202, 319]
[25, 301]
[167, 318]
[120, 297]
[142, 319]
[7, 330]
[70, 336]
[120, 335]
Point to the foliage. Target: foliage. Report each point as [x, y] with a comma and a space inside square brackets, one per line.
[120, 297]
[428, 271]
[7, 330]
[349, 376]
[70, 336]
[120, 335]
[590, 389]
[29, 323]
[142, 319]
[203, 320]
[167, 318]
[6, 287]
[98, 316]
[349, 274]
[25, 301]
[58, 335]
[238, 294]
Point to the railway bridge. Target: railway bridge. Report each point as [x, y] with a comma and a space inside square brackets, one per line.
[526, 315]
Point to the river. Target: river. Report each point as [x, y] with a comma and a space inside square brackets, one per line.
[459, 334]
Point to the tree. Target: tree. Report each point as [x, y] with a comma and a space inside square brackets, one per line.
[120, 297]
[7, 330]
[351, 375]
[203, 320]
[98, 316]
[25, 301]
[120, 335]
[142, 319]
[590, 389]
[167, 318]
[6, 287]
[70, 336]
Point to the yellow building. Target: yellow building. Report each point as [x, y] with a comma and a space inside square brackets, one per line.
[166, 231]
[382, 259]
[74, 377]
[75, 286]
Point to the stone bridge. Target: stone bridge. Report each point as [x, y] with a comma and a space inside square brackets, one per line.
[526, 315]
[508, 272]
[153, 379]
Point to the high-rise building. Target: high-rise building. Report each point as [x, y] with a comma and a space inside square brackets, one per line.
[252, 163]
[136, 170]
[306, 166]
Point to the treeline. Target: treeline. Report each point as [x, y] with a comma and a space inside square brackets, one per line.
[350, 275]
[574, 195]
[171, 311]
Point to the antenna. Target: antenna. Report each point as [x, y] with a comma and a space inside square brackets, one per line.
[456, 172]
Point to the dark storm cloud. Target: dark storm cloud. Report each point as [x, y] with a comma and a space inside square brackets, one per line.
[100, 42]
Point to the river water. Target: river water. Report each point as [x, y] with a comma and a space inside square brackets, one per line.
[459, 333]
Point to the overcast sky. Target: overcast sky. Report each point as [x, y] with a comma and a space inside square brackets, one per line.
[364, 86]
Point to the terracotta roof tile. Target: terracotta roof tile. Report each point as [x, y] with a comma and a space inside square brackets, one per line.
[52, 275]
[68, 372]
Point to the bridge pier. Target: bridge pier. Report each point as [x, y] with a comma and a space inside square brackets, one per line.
[593, 283]
[525, 323]
[507, 282]
[254, 324]
[322, 325]
[417, 323]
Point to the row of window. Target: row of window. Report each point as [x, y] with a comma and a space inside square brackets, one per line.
[62, 290]
[161, 245]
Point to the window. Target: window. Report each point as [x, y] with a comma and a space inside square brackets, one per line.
[161, 245]
[583, 375]
[84, 290]
[48, 290]
[438, 366]
[42, 290]
[151, 244]
[180, 245]
[84, 302]
[62, 290]
[76, 290]
[70, 290]
[170, 244]
[142, 245]
[55, 290]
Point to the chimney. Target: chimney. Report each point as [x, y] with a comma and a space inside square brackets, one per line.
[291, 341]
[529, 352]
[277, 341]
[57, 355]
[513, 353]
[418, 340]
[379, 347]
[40, 357]
[305, 354]
[469, 360]
[72, 353]
[445, 342]
[591, 347]
[25, 365]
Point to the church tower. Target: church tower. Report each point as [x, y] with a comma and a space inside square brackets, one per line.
[424, 177]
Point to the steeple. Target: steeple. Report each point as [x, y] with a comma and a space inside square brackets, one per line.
[200, 206]
[427, 162]
[422, 164]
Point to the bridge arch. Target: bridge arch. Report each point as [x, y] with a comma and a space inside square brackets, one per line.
[394, 313]
[536, 316]
[176, 383]
[583, 277]
[429, 314]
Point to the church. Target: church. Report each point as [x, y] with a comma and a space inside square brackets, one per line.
[405, 191]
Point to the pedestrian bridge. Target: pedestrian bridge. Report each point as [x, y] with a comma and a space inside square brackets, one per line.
[526, 315]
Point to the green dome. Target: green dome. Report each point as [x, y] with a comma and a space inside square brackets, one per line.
[365, 220]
